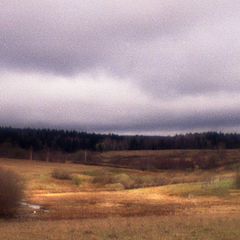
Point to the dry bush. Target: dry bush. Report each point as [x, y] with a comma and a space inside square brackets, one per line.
[77, 180]
[103, 179]
[149, 181]
[11, 192]
[237, 180]
[129, 182]
[108, 179]
[125, 180]
[61, 174]
[114, 187]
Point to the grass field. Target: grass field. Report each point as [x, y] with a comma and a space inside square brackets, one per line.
[166, 227]
[97, 202]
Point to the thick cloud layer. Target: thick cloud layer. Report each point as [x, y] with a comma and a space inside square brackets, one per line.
[150, 66]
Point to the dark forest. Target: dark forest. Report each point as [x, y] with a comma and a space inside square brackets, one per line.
[72, 141]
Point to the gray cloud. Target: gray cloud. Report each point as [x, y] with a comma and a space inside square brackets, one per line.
[177, 64]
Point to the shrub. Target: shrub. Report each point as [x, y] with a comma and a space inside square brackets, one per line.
[142, 181]
[61, 174]
[114, 187]
[125, 180]
[237, 180]
[11, 192]
[128, 182]
[107, 179]
[103, 179]
[149, 181]
[77, 180]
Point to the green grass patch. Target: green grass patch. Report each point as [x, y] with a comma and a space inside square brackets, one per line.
[219, 188]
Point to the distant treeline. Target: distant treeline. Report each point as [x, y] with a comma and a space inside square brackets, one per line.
[73, 141]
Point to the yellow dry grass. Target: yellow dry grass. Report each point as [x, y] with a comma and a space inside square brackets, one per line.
[154, 228]
[144, 213]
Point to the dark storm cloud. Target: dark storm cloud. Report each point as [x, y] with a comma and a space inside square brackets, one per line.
[176, 62]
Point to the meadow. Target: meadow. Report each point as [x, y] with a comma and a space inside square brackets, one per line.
[75, 201]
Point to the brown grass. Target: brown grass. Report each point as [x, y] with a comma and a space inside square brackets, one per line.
[201, 198]
[201, 227]
[66, 200]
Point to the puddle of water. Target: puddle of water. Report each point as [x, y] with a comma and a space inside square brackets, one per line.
[32, 206]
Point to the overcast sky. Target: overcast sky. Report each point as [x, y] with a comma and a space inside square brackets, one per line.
[123, 66]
